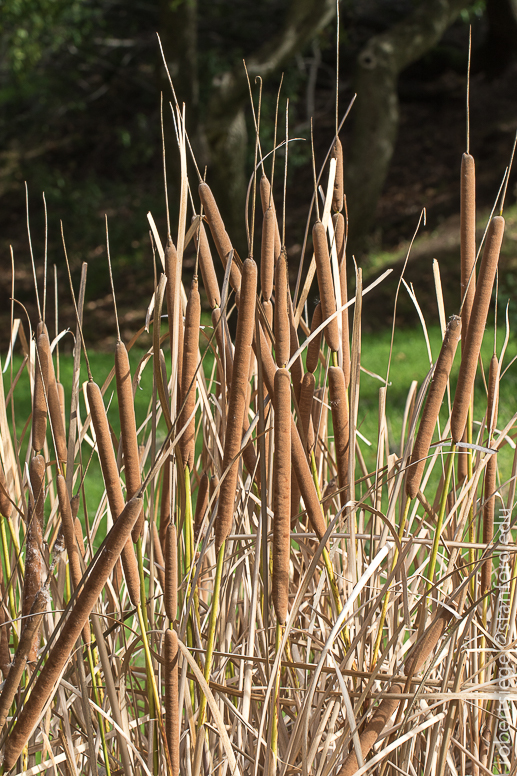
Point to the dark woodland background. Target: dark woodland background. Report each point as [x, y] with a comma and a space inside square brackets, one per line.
[80, 84]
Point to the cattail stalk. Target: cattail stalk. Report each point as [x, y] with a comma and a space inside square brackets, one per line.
[474, 338]
[282, 494]
[172, 716]
[112, 483]
[126, 408]
[237, 408]
[325, 283]
[60, 652]
[220, 235]
[432, 406]
[281, 317]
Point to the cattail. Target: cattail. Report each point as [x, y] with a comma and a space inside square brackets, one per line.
[219, 233]
[313, 348]
[201, 503]
[54, 406]
[207, 268]
[237, 402]
[172, 717]
[480, 306]
[112, 484]
[298, 455]
[281, 319]
[337, 194]
[74, 505]
[467, 237]
[490, 472]
[432, 406]
[187, 442]
[340, 420]
[267, 253]
[170, 592]
[62, 404]
[28, 637]
[171, 270]
[159, 562]
[326, 286]
[373, 730]
[268, 202]
[319, 419]
[126, 409]
[64, 644]
[34, 561]
[424, 646]
[39, 400]
[282, 494]
[339, 235]
[180, 339]
[305, 409]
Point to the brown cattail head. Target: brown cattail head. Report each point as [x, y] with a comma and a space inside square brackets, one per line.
[474, 338]
[206, 265]
[282, 494]
[126, 410]
[340, 421]
[171, 573]
[339, 232]
[297, 365]
[188, 388]
[337, 195]
[373, 730]
[467, 237]
[313, 348]
[268, 202]
[37, 478]
[39, 399]
[219, 233]
[282, 333]
[54, 405]
[172, 716]
[223, 342]
[430, 638]
[237, 402]
[267, 253]
[165, 501]
[326, 285]
[60, 652]
[432, 406]
[493, 395]
[112, 483]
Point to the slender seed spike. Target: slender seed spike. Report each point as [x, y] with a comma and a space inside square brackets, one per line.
[236, 406]
[281, 317]
[172, 716]
[432, 406]
[326, 286]
[282, 494]
[268, 255]
[340, 421]
[171, 573]
[112, 484]
[219, 233]
[126, 410]
[188, 386]
[480, 307]
[206, 265]
[337, 194]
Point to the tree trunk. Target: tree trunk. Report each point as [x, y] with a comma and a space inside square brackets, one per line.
[376, 110]
[224, 126]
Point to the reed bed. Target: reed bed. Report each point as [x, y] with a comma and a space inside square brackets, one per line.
[261, 590]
